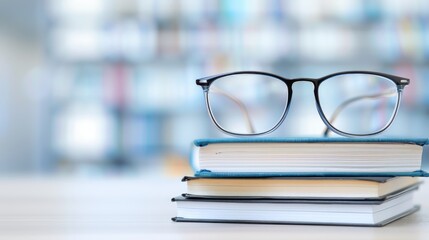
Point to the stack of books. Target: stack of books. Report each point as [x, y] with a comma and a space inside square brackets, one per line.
[327, 181]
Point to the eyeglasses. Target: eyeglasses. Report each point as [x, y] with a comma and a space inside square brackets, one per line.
[352, 103]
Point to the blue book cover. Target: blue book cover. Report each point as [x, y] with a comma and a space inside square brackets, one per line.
[397, 156]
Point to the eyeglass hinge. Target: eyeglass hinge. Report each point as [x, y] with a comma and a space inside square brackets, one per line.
[202, 82]
[405, 81]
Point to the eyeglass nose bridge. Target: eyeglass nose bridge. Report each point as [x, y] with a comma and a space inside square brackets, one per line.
[315, 82]
[312, 80]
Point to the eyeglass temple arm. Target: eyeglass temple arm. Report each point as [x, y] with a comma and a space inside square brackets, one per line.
[239, 103]
[343, 105]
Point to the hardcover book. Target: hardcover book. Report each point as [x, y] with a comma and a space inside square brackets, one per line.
[281, 211]
[305, 157]
[375, 188]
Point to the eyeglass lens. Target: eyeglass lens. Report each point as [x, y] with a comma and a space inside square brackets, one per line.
[358, 103]
[247, 103]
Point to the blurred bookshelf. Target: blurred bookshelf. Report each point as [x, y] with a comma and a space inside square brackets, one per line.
[123, 71]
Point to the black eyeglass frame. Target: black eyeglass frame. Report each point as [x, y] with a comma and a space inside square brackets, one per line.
[205, 83]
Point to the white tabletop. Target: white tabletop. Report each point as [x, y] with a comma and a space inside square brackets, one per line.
[140, 208]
